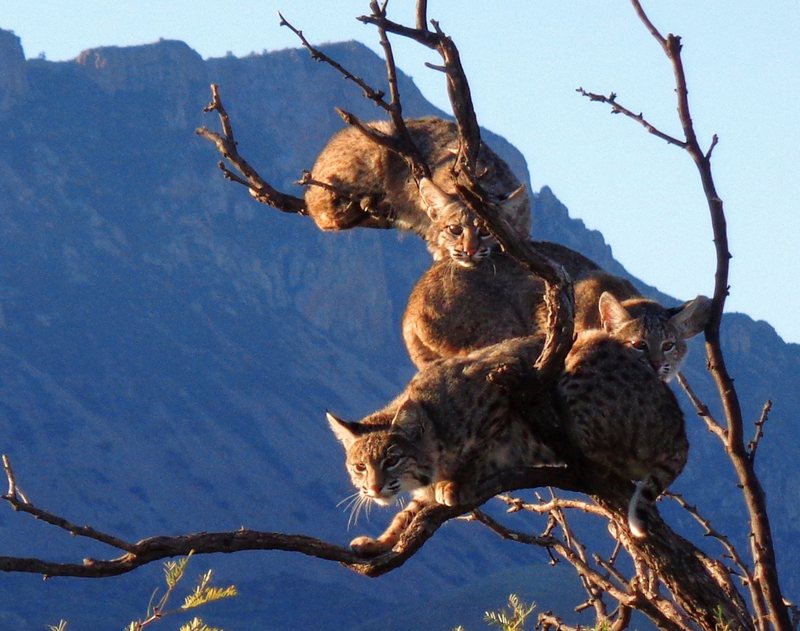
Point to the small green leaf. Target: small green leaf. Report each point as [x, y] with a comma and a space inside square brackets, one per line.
[197, 625]
[517, 611]
[202, 595]
[174, 570]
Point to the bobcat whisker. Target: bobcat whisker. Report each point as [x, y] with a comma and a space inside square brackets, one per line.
[356, 507]
[349, 499]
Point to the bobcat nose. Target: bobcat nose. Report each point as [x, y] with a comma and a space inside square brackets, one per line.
[374, 490]
[471, 247]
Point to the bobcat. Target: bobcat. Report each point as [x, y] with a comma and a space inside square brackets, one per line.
[450, 429]
[473, 295]
[454, 310]
[374, 188]
[656, 332]
[620, 415]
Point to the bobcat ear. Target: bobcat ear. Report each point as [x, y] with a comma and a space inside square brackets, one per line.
[692, 317]
[410, 419]
[345, 431]
[435, 199]
[516, 203]
[612, 313]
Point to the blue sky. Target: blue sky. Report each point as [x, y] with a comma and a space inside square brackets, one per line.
[524, 60]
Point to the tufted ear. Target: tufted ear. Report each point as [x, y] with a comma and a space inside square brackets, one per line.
[435, 199]
[516, 203]
[691, 317]
[612, 313]
[410, 419]
[346, 431]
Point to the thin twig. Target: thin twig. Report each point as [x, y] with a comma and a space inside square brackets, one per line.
[552, 542]
[616, 108]
[376, 96]
[702, 410]
[752, 446]
[19, 503]
[594, 591]
[710, 531]
[12, 481]
[543, 507]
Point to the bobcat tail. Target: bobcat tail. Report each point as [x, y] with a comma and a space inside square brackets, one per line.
[643, 506]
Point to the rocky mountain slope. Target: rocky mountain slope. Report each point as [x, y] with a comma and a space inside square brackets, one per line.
[168, 347]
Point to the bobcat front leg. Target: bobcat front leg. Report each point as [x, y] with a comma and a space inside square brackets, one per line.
[368, 547]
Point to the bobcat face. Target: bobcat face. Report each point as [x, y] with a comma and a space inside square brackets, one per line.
[456, 231]
[654, 332]
[465, 239]
[657, 344]
[381, 467]
[382, 461]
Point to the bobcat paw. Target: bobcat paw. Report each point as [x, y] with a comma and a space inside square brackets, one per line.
[446, 493]
[369, 547]
[506, 375]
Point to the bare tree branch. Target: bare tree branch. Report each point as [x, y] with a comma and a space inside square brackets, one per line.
[373, 95]
[702, 410]
[765, 574]
[558, 294]
[422, 528]
[766, 571]
[226, 145]
[616, 108]
[756, 596]
[658, 609]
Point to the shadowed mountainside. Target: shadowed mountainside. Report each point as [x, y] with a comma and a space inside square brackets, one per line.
[168, 346]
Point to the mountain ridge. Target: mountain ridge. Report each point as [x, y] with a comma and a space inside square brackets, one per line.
[168, 346]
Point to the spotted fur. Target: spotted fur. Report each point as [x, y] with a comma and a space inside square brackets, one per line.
[373, 187]
[620, 415]
[450, 429]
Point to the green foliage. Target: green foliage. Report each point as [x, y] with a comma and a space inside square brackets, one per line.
[197, 625]
[202, 594]
[174, 571]
[510, 619]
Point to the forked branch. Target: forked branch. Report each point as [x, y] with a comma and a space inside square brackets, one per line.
[765, 575]
[424, 526]
[226, 145]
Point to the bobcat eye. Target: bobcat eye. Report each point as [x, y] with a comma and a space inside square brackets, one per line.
[360, 467]
[667, 346]
[639, 345]
[391, 462]
[483, 231]
[455, 229]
